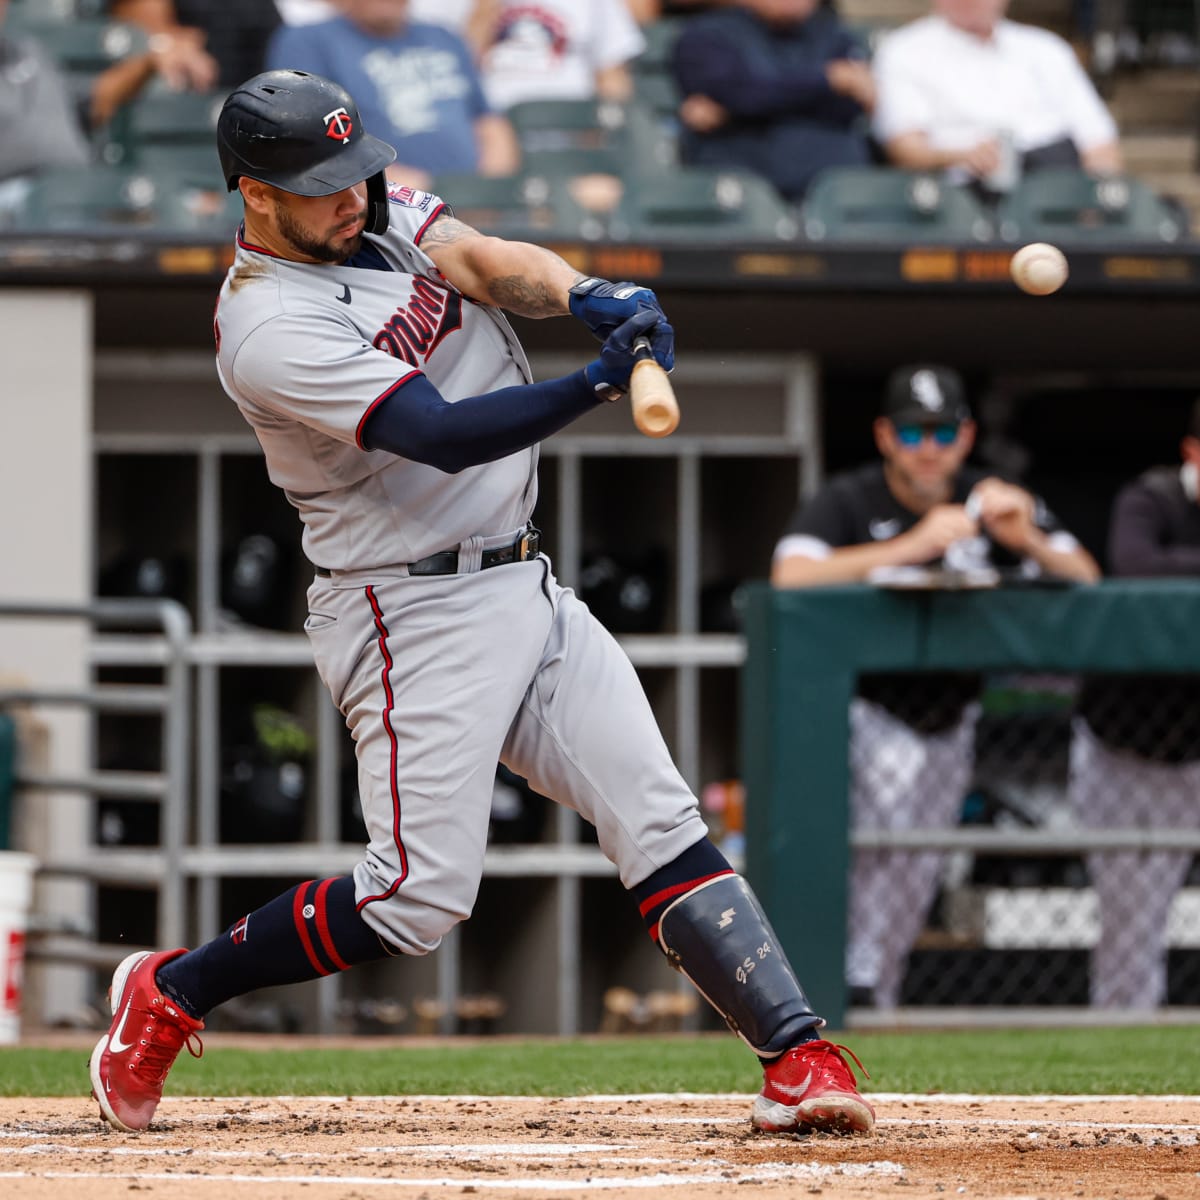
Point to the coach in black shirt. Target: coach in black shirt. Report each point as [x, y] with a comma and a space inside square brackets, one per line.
[912, 737]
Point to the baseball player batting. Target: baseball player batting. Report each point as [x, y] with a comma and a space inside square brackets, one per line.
[360, 331]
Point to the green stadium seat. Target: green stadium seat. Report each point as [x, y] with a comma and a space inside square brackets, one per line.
[175, 118]
[1064, 205]
[860, 204]
[85, 45]
[107, 198]
[560, 137]
[658, 94]
[166, 130]
[660, 36]
[545, 124]
[692, 204]
[519, 206]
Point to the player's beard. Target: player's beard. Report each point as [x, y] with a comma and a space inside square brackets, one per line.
[306, 243]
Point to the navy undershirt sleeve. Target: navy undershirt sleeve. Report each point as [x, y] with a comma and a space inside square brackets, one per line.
[417, 423]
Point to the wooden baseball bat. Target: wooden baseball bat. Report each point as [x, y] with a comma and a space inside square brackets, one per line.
[655, 409]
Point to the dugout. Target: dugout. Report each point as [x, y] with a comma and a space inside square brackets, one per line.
[782, 347]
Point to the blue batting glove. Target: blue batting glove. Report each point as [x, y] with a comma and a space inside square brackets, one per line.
[609, 374]
[602, 306]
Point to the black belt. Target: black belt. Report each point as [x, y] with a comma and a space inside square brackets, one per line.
[445, 562]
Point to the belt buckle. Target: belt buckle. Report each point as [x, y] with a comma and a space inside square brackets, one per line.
[529, 544]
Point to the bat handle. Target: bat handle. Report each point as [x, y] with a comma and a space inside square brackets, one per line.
[655, 409]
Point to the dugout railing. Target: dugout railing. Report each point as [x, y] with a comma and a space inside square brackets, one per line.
[805, 652]
[168, 625]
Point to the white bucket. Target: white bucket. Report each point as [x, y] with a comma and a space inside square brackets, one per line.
[16, 897]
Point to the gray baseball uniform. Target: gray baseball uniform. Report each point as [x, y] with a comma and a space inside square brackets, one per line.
[438, 677]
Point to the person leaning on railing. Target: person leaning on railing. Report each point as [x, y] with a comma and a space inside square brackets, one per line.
[912, 736]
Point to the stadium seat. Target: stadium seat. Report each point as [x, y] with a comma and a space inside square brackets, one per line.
[168, 131]
[113, 198]
[530, 206]
[175, 118]
[85, 45]
[883, 204]
[695, 204]
[1064, 205]
[659, 96]
[595, 129]
[660, 36]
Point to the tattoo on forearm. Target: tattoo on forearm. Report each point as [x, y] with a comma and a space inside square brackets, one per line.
[535, 293]
[526, 297]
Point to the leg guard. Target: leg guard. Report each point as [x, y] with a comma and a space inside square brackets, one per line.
[719, 937]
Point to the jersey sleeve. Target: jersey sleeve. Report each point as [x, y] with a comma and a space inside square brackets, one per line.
[314, 369]
[411, 211]
[816, 528]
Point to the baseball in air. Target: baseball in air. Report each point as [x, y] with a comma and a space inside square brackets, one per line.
[1039, 268]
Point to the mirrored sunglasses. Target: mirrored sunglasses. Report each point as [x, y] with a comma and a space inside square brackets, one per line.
[913, 435]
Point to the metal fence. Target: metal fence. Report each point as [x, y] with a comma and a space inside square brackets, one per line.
[1069, 811]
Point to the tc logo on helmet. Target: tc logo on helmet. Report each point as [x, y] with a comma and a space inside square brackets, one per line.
[338, 125]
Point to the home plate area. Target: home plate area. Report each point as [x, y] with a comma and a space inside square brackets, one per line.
[335, 1148]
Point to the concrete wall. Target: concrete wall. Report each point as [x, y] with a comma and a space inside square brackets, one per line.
[46, 555]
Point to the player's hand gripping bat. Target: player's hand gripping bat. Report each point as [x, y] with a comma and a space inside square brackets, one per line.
[655, 409]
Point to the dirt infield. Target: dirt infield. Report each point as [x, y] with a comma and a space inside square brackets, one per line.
[693, 1146]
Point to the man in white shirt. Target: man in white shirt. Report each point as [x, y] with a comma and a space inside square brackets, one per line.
[544, 50]
[968, 91]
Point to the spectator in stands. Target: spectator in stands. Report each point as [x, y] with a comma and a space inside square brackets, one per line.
[546, 50]
[966, 90]
[776, 87]
[306, 12]
[32, 85]
[1135, 751]
[912, 737]
[218, 44]
[177, 54]
[416, 84]
[473, 20]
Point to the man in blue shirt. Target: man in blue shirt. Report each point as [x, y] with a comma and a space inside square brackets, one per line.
[416, 86]
[776, 87]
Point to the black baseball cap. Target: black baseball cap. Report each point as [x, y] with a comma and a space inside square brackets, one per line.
[925, 394]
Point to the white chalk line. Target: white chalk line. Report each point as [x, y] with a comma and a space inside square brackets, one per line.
[761, 1173]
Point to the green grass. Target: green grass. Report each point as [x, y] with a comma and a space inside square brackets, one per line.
[1153, 1060]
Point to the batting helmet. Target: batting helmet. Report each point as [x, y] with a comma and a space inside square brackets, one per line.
[303, 134]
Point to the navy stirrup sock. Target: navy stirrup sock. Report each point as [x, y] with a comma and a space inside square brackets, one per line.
[696, 864]
[310, 931]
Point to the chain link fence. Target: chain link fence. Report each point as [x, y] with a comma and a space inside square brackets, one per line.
[1055, 760]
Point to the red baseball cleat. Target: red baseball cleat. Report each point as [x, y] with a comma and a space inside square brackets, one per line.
[812, 1087]
[130, 1062]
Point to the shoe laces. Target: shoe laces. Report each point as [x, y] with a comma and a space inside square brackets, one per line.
[831, 1063]
[166, 1037]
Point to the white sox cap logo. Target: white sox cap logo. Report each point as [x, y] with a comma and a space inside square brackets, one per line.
[927, 391]
[338, 125]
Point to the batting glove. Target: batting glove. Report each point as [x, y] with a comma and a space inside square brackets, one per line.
[602, 306]
[609, 374]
